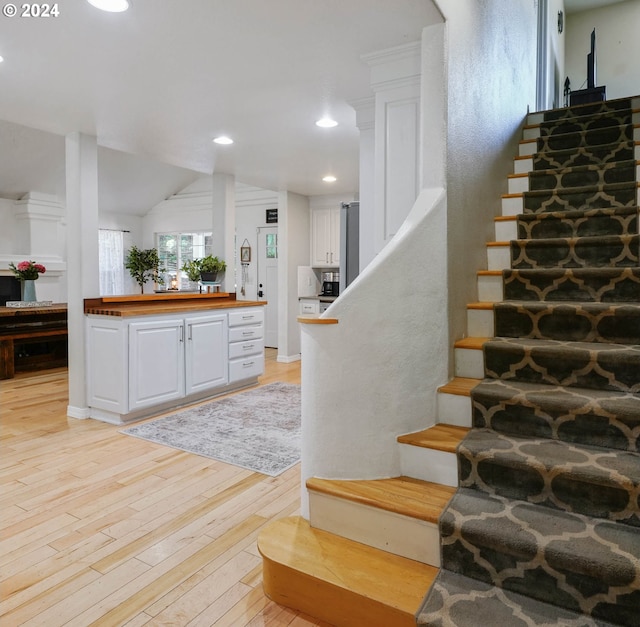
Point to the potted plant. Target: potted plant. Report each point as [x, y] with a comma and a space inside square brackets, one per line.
[192, 269]
[144, 265]
[209, 268]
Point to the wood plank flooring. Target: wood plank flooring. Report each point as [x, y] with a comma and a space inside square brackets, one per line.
[99, 528]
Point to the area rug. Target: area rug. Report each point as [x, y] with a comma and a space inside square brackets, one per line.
[258, 430]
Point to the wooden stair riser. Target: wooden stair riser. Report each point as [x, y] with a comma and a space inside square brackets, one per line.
[388, 531]
[429, 464]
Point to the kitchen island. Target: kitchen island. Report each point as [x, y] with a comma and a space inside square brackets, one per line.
[150, 353]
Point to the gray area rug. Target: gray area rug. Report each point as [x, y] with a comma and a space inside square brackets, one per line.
[258, 430]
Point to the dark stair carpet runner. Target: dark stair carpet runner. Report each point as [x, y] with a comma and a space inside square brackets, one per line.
[545, 526]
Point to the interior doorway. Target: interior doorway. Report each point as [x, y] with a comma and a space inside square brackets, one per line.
[268, 281]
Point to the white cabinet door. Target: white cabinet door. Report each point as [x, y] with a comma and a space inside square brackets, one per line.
[325, 238]
[206, 363]
[334, 237]
[320, 236]
[156, 362]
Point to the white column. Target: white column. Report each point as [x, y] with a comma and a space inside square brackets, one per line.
[82, 256]
[365, 121]
[395, 79]
[224, 225]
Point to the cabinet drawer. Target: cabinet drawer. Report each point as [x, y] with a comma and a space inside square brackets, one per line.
[246, 368]
[243, 349]
[239, 334]
[246, 316]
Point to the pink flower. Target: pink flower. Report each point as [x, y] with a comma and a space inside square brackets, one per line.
[27, 270]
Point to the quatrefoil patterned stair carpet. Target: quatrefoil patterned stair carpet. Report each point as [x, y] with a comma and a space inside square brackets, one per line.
[545, 526]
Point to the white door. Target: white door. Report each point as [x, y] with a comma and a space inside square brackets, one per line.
[268, 281]
[206, 364]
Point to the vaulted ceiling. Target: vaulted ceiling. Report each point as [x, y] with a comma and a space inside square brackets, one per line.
[161, 80]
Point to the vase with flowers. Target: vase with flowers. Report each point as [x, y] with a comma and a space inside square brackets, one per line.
[28, 273]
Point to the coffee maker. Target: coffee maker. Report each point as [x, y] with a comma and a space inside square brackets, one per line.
[330, 284]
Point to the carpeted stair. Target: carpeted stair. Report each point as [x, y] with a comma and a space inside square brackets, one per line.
[545, 526]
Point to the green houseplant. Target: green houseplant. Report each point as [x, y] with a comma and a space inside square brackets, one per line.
[192, 269]
[144, 265]
[210, 266]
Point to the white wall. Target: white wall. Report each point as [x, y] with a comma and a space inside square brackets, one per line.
[617, 44]
[491, 52]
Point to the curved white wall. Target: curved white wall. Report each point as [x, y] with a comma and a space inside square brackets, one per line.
[374, 375]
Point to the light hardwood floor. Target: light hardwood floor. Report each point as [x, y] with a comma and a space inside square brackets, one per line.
[99, 528]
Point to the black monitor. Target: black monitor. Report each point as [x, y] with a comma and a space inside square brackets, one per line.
[591, 62]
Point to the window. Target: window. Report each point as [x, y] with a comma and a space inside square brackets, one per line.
[111, 262]
[272, 246]
[176, 248]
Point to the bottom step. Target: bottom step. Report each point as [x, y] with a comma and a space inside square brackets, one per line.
[340, 581]
[458, 601]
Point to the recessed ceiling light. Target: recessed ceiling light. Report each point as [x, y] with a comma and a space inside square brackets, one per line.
[1, 59]
[326, 123]
[329, 179]
[224, 140]
[113, 6]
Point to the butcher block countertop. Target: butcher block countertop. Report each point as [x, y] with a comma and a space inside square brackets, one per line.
[163, 303]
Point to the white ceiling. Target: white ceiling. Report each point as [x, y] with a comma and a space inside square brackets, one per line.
[163, 79]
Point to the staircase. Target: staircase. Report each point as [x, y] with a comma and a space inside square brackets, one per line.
[542, 524]
[545, 526]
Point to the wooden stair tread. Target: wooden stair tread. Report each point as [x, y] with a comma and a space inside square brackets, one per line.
[505, 218]
[489, 273]
[402, 495]
[333, 578]
[475, 343]
[460, 386]
[508, 244]
[480, 305]
[440, 437]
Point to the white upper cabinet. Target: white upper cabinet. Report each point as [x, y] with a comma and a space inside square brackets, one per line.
[325, 238]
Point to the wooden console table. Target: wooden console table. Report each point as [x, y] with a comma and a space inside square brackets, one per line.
[30, 326]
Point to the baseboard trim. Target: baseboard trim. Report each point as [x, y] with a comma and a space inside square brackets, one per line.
[79, 413]
[288, 359]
